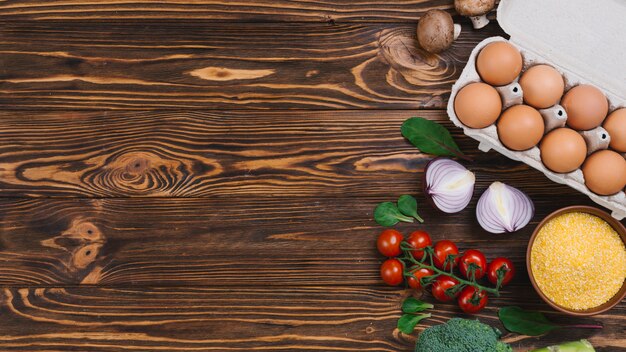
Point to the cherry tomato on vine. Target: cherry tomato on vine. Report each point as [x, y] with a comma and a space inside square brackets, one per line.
[419, 273]
[440, 285]
[442, 250]
[471, 300]
[392, 272]
[388, 243]
[473, 260]
[419, 240]
[500, 267]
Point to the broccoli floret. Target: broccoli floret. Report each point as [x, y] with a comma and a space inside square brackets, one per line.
[461, 335]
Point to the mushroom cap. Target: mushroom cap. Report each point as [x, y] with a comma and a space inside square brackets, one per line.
[474, 7]
[435, 31]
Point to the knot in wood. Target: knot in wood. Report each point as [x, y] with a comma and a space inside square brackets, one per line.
[83, 240]
[138, 165]
[85, 255]
[400, 49]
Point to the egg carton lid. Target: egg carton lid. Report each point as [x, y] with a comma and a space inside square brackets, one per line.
[586, 38]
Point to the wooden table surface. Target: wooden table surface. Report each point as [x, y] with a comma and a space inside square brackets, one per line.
[182, 175]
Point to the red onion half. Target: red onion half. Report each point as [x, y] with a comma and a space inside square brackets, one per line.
[503, 208]
[449, 185]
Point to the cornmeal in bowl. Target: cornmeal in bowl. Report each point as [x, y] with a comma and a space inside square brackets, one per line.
[578, 261]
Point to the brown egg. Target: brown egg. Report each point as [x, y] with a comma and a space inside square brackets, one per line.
[477, 105]
[605, 172]
[542, 85]
[499, 63]
[520, 127]
[563, 150]
[586, 107]
[615, 124]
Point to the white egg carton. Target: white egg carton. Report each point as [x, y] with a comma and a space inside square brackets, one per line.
[583, 40]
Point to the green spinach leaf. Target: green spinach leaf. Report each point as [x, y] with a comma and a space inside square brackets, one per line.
[408, 206]
[387, 214]
[430, 137]
[407, 322]
[413, 305]
[525, 322]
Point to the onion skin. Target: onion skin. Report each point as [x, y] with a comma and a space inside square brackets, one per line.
[439, 185]
[504, 209]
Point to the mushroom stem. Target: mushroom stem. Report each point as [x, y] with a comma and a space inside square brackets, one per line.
[596, 139]
[553, 117]
[479, 21]
[457, 31]
[511, 94]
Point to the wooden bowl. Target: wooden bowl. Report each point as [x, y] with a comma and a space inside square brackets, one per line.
[619, 228]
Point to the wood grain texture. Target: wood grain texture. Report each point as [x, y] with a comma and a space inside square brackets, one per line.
[225, 66]
[222, 154]
[221, 10]
[256, 318]
[200, 175]
[232, 241]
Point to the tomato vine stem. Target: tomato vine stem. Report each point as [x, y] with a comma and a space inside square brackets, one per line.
[418, 264]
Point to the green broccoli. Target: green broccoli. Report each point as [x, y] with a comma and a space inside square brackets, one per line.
[461, 335]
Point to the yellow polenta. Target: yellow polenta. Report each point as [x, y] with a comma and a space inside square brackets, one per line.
[578, 261]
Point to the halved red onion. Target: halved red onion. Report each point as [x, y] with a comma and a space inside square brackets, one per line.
[449, 185]
[503, 208]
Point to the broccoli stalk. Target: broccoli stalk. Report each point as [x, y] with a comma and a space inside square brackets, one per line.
[574, 346]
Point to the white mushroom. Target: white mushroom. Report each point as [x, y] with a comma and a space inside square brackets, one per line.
[436, 31]
[476, 10]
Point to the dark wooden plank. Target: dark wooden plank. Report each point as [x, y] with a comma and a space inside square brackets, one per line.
[225, 66]
[222, 10]
[221, 154]
[230, 241]
[248, 318]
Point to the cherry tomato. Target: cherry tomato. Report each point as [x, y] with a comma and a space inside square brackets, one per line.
[475, 259]
[500, 267]
[388, 243]
[442, 250]
[419, 239]
[392, 272]
[419, 273]
[440, 285]
[471, 300]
